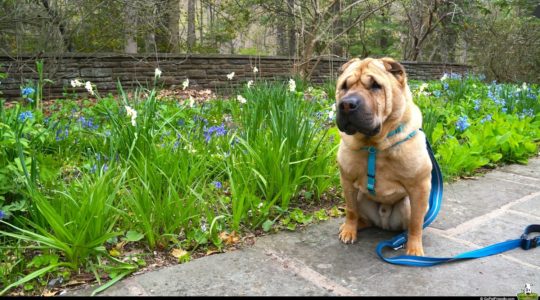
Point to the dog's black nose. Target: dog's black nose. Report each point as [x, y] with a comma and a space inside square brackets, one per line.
[349, 104]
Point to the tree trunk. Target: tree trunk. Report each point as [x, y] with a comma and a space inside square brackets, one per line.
[191, 38]
[173, 8]
[383, 33]
[337, 44]
[130, 32]
[292, 29]
[59, 23]
[201, 22]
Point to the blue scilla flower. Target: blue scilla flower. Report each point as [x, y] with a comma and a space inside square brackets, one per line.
[217, 184]
[481, 76]
[445, 85]
[88, 123]
[214, 130]
[2, 214]
[486, 119]
[27, 91]
[477, 105]
[455, 76]
[198, 118]
[62, 134]
[528, 112]
[462, 123]
[437, 93]
[25, 116]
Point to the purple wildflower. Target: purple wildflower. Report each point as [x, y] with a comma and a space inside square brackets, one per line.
[218, 185]
[214, 130]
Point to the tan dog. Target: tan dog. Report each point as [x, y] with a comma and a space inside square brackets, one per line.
[373, 100]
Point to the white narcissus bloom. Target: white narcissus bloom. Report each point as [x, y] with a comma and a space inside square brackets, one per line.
[292, 85]
[89, 88]
[230, 76]
[191, 101]
[241, 99]
[255, 70]
[76, 83]
[185, 84]
[331, 115]
[444, 77]
[423, 86]
[133, 114]
[334, 107]
[157, 72]
[249, 84]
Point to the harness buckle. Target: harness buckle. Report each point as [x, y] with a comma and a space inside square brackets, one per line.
[526, 243]
[399, 247]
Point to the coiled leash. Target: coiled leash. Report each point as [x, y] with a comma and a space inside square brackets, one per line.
[435, 200]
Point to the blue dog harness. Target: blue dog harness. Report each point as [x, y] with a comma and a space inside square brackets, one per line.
[435, 201]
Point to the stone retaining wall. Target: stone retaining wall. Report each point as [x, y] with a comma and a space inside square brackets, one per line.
[203, 71]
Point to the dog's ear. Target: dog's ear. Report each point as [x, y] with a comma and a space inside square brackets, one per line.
[395, 68]
[347, 64]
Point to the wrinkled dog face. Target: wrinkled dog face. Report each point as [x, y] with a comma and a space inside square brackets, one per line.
[368, 93]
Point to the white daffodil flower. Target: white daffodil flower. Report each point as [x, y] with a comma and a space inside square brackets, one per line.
[230, 76]
[292, 85]
[241, 99]
[131, 113]
[76, 83]
[89, 87]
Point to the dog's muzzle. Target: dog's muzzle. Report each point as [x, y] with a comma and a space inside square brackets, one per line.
[354, 116]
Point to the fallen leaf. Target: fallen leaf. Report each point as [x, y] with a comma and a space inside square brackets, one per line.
[229, 238]
[50, 293]
[120, 245]
[114, 252]
[178, 252]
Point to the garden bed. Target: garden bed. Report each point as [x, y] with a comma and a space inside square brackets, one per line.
[109, 186]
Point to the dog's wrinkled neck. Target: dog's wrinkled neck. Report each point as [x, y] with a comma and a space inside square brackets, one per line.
[382, 141]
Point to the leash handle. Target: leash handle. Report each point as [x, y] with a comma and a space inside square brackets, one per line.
[435, 200]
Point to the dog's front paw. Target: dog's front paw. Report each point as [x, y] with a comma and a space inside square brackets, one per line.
[415, 248]
[347, 233]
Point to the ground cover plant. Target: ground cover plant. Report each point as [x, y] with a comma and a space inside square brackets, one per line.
[97, 188]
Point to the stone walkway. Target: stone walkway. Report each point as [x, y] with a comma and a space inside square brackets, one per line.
[475, 213]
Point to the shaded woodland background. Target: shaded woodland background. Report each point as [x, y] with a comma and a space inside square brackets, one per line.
[500, 38]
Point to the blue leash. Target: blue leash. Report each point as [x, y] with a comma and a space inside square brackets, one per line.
[435, 200]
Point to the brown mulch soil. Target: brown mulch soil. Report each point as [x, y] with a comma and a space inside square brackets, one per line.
[198, 96]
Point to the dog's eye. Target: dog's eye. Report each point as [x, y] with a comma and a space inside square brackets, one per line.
[344, 85]
[375, 86]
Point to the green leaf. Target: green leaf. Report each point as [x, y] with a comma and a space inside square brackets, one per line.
[267, 225]
[133, 236]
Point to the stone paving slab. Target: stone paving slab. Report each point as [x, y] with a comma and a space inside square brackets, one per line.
[532, 169]
[467, 199]
[507, 226]
[358, 268]
[239, 273]
[531, 206]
